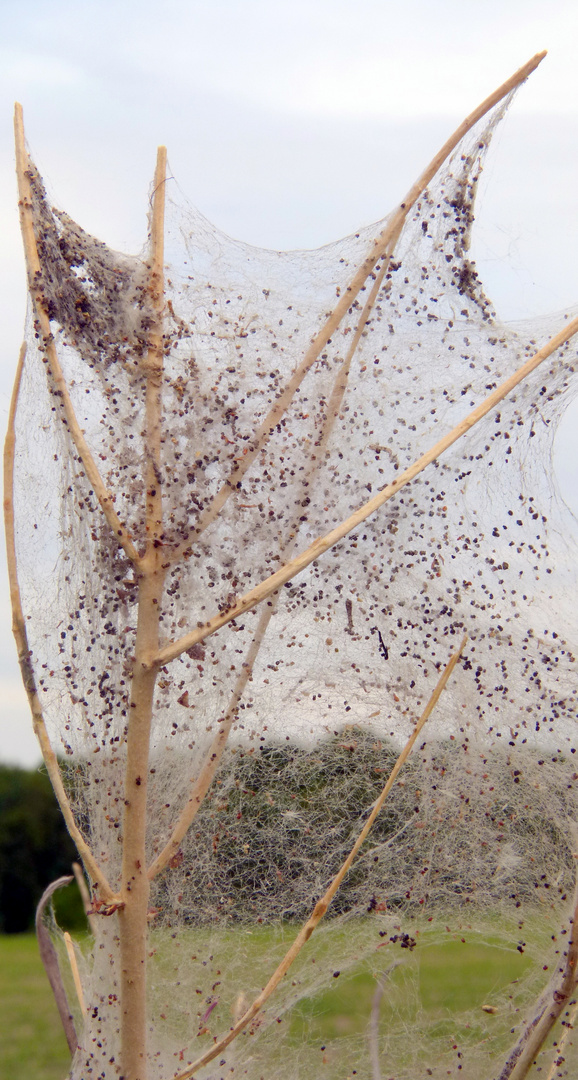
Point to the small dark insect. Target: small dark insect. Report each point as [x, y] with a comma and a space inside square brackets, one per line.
[382, 646]
[349, 610]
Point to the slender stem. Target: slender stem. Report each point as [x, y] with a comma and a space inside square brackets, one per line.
[374, 1021]
[135, 883]
[152, 366]
[319, 547]
[95, 872]
[382, 247]
[548, 1010]
[69, 944]
[559, 1049]
[34, 271]
[85, 895]
[51, 966]
[323, 904]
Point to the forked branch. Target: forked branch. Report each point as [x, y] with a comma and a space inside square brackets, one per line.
[151, 566]
[323, 904]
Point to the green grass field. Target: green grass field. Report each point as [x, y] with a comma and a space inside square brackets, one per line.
[32, 1043]
[435, 995]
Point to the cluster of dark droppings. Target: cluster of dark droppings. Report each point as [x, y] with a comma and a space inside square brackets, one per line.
[97, 297]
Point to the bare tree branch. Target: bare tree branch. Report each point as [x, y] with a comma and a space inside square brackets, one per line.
[549, 1007]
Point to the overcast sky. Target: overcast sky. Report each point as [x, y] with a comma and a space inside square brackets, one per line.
[288, 125]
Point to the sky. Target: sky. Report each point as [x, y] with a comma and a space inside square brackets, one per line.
[288, 124]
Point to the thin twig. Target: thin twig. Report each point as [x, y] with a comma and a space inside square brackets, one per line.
[75, 972]
[374, 1021]
[83, 890]
[323, 904]
[549, 1008]
[559, 1049]
[382, 247]
[51, 967]
[319, 547]
[34, 268]
[20, 635]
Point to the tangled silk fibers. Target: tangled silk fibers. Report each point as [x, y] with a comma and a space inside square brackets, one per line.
[479, 833]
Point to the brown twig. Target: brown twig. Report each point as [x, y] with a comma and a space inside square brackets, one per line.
[559, 1049]
[323, 904]
[85, 895]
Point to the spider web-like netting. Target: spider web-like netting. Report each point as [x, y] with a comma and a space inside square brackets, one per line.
[476, 840]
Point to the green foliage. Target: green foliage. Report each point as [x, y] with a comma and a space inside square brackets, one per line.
[35, 848]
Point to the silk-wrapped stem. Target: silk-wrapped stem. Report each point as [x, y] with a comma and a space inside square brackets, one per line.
[135, 887]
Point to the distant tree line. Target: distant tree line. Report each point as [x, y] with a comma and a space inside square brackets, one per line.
[459, 827]
[35, 847]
